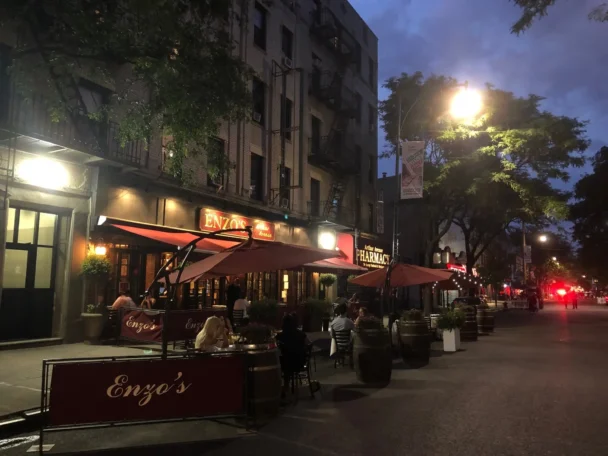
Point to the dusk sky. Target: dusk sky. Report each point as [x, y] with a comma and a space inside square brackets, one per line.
[562, 57]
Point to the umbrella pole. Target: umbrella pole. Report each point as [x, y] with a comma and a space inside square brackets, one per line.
[162, 272]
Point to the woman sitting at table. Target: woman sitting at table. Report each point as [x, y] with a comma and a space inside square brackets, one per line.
[293, 343]
[214, 335]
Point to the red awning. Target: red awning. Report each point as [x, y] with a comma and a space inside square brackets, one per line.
[178, 238]
[335, 263]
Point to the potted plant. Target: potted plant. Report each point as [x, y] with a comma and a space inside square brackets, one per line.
[95, 269]
[265, 312]
[372, 356]
[450, 323]
[414, 338]
[317, 314]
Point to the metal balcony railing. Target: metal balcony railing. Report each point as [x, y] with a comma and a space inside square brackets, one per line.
[329, 88]
[332, 33]
[32, 118]
[332, 153]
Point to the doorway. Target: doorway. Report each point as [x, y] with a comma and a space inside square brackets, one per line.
[26, 310]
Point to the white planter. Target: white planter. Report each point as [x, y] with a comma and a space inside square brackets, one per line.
[451, 340]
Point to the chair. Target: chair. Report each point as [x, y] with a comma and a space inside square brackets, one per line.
[344, 346]
[303, 374]
[237, 318]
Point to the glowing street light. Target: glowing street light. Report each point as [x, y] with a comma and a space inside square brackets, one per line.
[543, 238]
[466, 104]
[554, 258]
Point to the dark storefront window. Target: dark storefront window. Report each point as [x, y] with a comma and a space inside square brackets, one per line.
[29, 274]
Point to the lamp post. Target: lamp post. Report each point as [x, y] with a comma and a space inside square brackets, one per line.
[466, 104]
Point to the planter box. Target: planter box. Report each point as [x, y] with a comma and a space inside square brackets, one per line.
[93, 327]
[451, 340]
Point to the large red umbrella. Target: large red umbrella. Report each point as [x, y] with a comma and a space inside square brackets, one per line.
[402, 275]
[253, 256]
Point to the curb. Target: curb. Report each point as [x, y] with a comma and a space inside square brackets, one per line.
[21, 422]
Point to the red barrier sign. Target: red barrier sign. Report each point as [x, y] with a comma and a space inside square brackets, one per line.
[141, 325]
[186, 324]
[147, 390]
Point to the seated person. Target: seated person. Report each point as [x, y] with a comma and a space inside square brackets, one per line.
[292, 342]
[124, 301]
[242, 304]
[362, 314]
[214, 335]
[341, 322]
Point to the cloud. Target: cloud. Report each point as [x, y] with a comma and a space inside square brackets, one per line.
[562, 57]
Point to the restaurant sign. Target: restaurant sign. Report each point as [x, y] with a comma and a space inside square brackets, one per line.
[146, 390]
[212, 220]
[142, 325]
[372, 257]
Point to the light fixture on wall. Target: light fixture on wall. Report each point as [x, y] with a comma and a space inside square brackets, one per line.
[327, 240]
[43, 172]
[100, 248]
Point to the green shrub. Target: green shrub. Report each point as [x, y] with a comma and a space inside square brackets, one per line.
[413, 315]
[317, 307]
[264, 310]
[95, 265]
[450, 320]
[327, 280]
[256, 334]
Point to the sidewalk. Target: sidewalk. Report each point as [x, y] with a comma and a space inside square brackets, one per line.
[21, 372]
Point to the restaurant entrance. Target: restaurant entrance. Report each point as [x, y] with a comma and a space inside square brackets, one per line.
[26, 311]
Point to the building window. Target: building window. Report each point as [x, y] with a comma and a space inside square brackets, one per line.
[315, 140]
[259, 26]
[358, 58]
[287, 42]
[371, 76]
[258, 93]
[358, 107]
[285, 183]
[286, 109]
[370, 219]
[315, 197]
[371, 116]
[217, 147]
[256, 190]
[371, 169]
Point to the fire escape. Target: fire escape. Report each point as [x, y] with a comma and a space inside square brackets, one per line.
[334, 152]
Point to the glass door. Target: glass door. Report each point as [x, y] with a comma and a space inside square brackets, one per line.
[26, 311]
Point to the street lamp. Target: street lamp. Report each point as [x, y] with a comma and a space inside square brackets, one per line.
[543, 238]
[466, 104]
[554, 258]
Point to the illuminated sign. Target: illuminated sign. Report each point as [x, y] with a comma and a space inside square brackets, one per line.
[456, 267]
[372, 257]
[212, 220]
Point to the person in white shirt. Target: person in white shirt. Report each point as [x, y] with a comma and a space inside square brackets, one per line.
[242, 304]
[341, 322]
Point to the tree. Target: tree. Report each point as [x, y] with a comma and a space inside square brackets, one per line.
[178, 75]
[495, 269]
[535, 9]
[589, 213]
[484, 174]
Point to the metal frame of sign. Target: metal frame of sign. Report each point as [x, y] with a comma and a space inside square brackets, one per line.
[46, 387]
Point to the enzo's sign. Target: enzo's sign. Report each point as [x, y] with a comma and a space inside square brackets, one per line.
[372, 257]
[142, 325]
[146, 390]
[212, 220]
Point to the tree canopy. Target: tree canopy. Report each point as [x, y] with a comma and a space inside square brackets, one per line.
[533, 10]
[485, 174]
[178, 77]
[589, 213]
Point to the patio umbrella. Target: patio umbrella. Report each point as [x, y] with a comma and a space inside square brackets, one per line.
[253, 256]
[402, 275]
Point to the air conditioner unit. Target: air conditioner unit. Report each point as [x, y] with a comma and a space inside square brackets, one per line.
[287, 63]
[257, 117]
[285, 203]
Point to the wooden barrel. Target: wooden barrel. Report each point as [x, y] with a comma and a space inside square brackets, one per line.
[485, 321]
[265, 383]
[372, 356]
[468, 332]
[415, 342]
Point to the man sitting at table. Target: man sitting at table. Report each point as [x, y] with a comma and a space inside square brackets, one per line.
[341, 322]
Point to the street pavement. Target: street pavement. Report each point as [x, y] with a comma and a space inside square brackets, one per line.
[534, 387]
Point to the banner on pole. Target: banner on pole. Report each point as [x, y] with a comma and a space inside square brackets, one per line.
[412, 169]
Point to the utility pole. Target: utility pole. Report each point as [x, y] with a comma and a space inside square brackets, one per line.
[523, 242]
